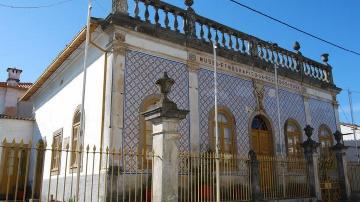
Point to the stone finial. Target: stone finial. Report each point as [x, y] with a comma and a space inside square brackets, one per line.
[338, 137]
[189, 3]
[190, 20]
[308, 131]
[119, 6]
[165, 83]
[165, 107]
[297, 47]
[252, 155]
[325, 58]
[309, 145]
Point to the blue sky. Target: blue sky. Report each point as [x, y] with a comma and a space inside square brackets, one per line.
[31, 38]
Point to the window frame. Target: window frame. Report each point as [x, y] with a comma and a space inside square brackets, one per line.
[294, 134]
[231, 125]
[324, 138]
[146, 104]
[327, 156]
[56, 152]
[73, 147]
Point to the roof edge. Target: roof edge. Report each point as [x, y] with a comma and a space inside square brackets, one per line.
[3, 116]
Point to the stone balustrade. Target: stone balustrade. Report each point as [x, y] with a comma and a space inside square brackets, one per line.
[188, 28]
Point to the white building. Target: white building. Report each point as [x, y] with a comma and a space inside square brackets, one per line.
[128, 54]
[16, 122]
[349, 140]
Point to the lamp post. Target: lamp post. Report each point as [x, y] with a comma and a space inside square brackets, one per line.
[82, 122]
[217, 163]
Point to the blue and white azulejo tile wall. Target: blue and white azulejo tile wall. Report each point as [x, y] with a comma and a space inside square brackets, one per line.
[141, 72]
[237, 95]
[322, 113]
[291, 107]
[234, 93]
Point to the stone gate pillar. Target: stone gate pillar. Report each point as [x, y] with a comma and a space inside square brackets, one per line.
[339, 149]
[311, 163]
[255, 177]
[165, 118]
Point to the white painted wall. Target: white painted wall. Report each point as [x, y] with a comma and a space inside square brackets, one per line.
[56, 101]
[13, 129]
[16, 129]
[319, 94]
[349, 140]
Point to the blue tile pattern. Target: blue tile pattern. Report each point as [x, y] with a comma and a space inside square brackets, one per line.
[291, 107]
[141, 72]
[234, 93]
[322, 113]
[237, 95]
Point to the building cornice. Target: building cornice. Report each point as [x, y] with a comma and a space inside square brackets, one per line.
[183, 39]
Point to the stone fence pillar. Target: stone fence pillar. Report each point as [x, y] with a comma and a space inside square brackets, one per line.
[255, 177]
[311, 163]
[165, 118]
[339, 150]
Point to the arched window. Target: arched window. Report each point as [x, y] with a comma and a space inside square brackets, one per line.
[226, 131]
[293, 139]
[75, 139]
[261, 138]
[146, 126]
[325, 137]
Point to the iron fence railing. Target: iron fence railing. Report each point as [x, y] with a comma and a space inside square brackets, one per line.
[283, 177]
[38, 172]
[354, 175]
[198, 177]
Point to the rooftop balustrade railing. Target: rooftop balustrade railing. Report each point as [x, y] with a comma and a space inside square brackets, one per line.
[194, 27]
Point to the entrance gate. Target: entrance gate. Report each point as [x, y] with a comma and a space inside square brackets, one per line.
[329, 181]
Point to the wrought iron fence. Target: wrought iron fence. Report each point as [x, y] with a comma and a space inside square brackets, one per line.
[15, 173]
[50, 174]
[328, 176]
[283, 177]
[197, 177]
[354, 175]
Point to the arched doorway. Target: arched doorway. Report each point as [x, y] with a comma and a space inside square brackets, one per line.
[262, 144]
[261, 137]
